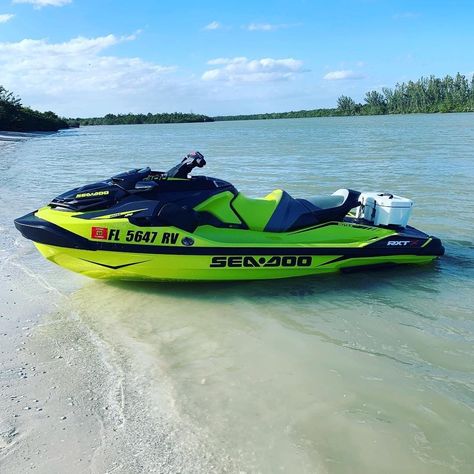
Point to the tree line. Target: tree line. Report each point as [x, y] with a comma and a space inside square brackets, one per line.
[130, 119]
[426, 95]
[18, 118]
[281, 115]
[15, 117]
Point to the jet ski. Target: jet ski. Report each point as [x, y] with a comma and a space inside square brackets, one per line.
[153, 225]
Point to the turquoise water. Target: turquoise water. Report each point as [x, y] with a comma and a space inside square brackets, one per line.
[368, 372]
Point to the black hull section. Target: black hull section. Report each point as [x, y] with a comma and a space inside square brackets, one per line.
[44, 232]
[407, 242]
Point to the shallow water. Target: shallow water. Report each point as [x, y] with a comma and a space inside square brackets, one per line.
[367, 372]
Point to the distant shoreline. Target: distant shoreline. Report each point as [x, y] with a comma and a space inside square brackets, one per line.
[9, 136]
[427, 95]
[295, 115]
[281, 116]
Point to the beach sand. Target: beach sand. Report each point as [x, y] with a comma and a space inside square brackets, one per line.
[50, 418]
[68, 402]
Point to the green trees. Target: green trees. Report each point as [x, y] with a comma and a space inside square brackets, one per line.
[426, 95]
[126, 119]
[15, 117]
[376, 104]
[281, 115]
[347, 106]
[9, 106]
[8, 98]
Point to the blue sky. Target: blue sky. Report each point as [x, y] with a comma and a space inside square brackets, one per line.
[85, 57]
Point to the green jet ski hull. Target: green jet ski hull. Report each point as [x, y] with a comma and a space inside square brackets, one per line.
[145, 225]
[127, 252]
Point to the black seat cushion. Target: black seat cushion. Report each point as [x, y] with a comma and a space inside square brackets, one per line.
[293, 214]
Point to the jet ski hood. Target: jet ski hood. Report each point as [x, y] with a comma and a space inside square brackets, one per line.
[136, 184]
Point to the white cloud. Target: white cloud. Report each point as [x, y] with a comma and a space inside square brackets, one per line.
[214, 25]
[57, 73]
[261, 27]
[6, 17]
[343, 75]
[219, 61]
[406, 16]
[241, 69]
[76, 49]
[266, 26]
[45, 3]
[87, 77]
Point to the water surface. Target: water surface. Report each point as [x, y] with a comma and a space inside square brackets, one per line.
[368, 372]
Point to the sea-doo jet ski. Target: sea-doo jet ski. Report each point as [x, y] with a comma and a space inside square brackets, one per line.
[152, 225]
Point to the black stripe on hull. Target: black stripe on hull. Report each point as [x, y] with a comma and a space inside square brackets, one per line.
[113, 267]
[45, 232]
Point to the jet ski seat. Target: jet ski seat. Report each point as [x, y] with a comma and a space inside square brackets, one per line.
[292, 214]
[326, 202]
[280, 212]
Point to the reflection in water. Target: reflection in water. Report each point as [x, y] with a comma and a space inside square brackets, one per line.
[303, 375]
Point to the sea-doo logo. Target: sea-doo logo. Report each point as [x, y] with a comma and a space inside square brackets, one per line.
[100, 233]
[253, 262]
[398, 243]
[94, 194]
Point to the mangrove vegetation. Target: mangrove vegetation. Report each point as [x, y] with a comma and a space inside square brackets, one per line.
[14, 117]
[426, 95]
[132, 119]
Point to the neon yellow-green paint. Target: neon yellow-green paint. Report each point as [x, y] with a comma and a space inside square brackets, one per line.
[194, 268]
[219, 206]
[257, 212]
[184, 266]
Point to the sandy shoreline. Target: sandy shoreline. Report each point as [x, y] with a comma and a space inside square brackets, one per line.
[49, 411]
[69, 402]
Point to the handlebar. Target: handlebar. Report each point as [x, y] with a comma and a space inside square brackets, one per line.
[189, 162]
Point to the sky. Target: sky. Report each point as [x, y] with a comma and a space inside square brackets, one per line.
[92, 57]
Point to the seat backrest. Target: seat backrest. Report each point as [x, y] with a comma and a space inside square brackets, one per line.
[257, 212]
[220, 207]
[327, 202]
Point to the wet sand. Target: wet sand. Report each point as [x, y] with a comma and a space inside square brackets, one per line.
[68, 403]
[49, 408]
